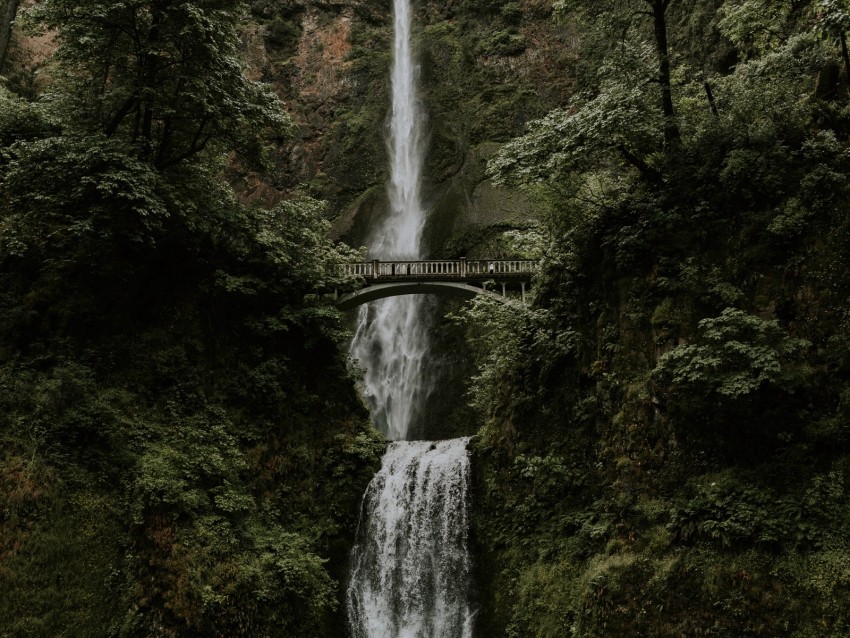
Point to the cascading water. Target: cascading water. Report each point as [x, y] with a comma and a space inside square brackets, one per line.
[410, 564]
[391, 340]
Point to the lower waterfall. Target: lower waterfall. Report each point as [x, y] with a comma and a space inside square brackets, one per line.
[411, 569]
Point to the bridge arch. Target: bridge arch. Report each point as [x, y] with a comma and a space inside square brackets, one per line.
[395, 289]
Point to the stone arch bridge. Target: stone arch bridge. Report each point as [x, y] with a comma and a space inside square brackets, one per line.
[459, 278]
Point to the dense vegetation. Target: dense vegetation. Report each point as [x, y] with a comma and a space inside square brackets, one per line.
[665, 452]
[181, 447]
[664, 449]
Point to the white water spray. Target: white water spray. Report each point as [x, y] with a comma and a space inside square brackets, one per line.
[411, 566]
[401, 235]
[390, 341]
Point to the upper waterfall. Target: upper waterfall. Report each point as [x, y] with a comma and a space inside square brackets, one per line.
[401, 235]
[391, 339]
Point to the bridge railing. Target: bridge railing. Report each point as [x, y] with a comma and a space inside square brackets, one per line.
[443, 269]
[502, 267]
[362, 269]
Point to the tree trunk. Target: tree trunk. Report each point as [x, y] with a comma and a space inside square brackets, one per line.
[8, 11]
[671, 127]
[710, 95]
[845, 57]
[150, 69]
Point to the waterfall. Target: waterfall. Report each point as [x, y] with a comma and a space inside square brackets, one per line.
[390, 341]
[411, 566]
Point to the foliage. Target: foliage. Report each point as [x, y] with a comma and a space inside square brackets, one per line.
[170, 400]
[490, 320]
[163, 77]
[731, 513]
[691, 479]
[616, 120]
[735, 354]
[754, 26]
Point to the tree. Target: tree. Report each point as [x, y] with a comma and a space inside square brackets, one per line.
[162, 75]
[619, 17]
[614, 121]
[8, 11]
[833, 20]
[133, 280]
[619, 117]
[658, 12]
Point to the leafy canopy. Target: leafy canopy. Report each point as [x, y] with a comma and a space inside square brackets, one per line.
[163, 76]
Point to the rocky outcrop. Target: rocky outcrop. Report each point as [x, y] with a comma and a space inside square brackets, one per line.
[23, 55]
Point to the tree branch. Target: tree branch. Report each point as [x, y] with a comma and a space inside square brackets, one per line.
[119, 116]
[646, 170]
[710, 95]
[195, 147]
[193, 150]
[168, 125]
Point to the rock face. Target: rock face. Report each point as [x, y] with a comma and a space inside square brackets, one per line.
[23, 56]
[487, 68]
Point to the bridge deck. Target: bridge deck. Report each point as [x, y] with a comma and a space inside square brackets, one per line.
[444, 270]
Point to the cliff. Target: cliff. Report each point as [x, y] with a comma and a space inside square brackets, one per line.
[485, 72]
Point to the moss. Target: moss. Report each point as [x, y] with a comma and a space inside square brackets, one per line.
[282, 35]
[503, 43]
[573, 568]
[63, 573]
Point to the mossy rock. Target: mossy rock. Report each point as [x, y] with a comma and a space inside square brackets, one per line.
[356, 223]
[470, 204]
